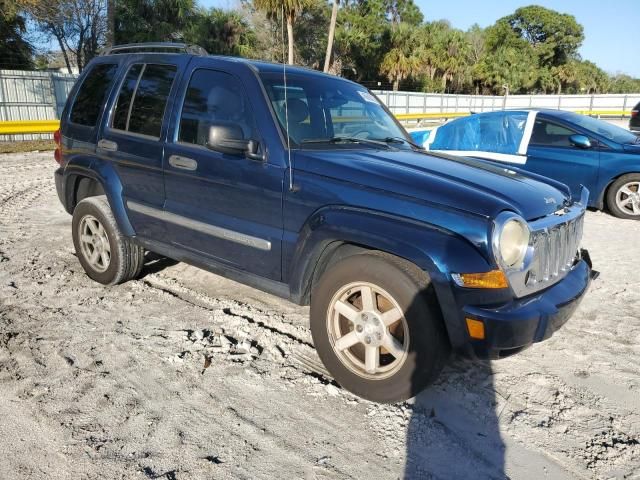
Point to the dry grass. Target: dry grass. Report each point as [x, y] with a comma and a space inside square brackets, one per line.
[26, 146]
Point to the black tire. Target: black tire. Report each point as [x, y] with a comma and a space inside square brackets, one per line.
[412, 291]
[126, 257]
[612, 194]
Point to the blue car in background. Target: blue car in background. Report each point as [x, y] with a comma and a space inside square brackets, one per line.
[565, 146]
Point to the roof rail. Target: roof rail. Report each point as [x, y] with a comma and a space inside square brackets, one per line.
[155, 47]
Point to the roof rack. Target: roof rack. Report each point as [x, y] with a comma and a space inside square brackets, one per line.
[155, 47]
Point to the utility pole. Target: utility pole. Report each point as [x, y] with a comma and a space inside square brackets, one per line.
[506, 95]
[111, 22]
[332, 31]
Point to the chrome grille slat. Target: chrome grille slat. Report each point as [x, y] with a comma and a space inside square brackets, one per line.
[570, 245]
[557, 248]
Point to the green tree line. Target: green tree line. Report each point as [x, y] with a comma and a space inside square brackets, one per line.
[380, 43]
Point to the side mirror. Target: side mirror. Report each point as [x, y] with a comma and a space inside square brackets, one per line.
[228, 138]
[580, 141]
[253, 151]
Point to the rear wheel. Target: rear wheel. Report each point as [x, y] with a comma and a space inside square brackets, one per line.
[105, 254]
[623, 197]
[377, 327]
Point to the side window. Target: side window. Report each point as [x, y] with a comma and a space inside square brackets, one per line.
[92, 94]
[306, 119]
[143, 98]
[550, 134]
[213, 97]
[121, 114]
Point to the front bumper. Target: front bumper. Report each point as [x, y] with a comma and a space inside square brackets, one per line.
[512, 327]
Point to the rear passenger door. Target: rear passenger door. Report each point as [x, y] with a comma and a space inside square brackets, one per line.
[224, 206]
[134, 136]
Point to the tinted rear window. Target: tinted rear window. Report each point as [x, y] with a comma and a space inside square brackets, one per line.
[151, 99]
[142, 99]
[92, 94]
[121, 115]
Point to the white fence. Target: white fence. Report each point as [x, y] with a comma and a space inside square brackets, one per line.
[33, 96]
[416, 102]
[41, 96]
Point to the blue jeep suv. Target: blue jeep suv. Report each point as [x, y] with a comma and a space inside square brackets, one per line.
[304, 185]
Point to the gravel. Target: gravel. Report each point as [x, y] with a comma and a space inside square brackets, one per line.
[183, 374]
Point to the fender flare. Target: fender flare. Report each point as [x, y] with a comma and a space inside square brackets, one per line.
[437, 251]
[104, 173]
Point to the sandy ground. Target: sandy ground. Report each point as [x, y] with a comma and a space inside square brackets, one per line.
[183, 374]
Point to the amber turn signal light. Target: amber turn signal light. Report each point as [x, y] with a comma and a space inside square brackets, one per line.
[492, 279]
[475, 328]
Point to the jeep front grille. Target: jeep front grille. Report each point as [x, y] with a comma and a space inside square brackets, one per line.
[554, 252]
[553, 249]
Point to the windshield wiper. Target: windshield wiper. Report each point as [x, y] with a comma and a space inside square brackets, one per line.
[365, 141]
[402, 140]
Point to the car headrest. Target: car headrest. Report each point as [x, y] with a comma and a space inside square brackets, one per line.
[298, 110]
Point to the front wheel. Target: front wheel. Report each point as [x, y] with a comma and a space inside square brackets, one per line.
[623, 197]
[377, 327]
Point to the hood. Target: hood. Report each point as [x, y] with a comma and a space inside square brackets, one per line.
[461, 183]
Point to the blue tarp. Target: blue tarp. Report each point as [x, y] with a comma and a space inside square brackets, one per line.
[421, 136]
[499, 132]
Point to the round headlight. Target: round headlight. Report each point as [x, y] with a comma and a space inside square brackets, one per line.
[511, 240]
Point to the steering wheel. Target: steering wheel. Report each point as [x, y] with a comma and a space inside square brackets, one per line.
[364, 134]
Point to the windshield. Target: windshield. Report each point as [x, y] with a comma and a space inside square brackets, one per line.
[323, 111]
[607, 130]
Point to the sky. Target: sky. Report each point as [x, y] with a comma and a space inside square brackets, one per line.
[610, 27]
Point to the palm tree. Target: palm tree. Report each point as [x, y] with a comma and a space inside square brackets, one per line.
[290, 8]
[400, 62]
[332, 30]
[432, 49]
[455, 66]
[564, 74]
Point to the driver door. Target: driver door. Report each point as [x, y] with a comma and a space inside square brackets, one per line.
[224, 206]
[551, 154]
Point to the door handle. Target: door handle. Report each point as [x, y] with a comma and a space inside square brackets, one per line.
[184, 163]
[108, 145]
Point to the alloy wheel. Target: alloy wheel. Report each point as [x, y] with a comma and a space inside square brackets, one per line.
[94, 243]
[368, 331]
[628, 198]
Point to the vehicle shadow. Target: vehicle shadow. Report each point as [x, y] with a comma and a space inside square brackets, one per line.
[454, 431]
[154, 263]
